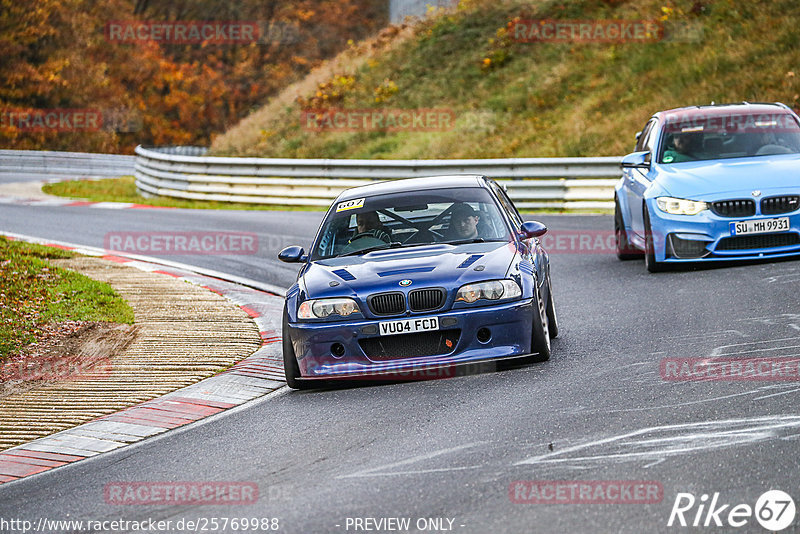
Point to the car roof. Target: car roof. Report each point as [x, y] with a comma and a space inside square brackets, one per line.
[718, 110]
[413, 184]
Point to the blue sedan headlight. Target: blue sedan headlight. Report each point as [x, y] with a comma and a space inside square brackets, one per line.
[680, 206]
[323, 308]
[490, 290]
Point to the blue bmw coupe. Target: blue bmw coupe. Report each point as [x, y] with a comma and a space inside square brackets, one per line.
[719, 182]
[408, 278]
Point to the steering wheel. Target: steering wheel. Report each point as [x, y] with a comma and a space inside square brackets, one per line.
[362, 235]
[771, 149]
[363, 241]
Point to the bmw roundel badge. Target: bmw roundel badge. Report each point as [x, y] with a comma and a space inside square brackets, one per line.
[405, 283]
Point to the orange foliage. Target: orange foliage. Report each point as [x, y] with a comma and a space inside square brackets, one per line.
[56, 56]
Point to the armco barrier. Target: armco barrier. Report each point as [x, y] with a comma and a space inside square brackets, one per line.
[183, 172]
[69, 164]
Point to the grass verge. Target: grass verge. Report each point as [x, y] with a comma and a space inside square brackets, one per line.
[34, 292]
[124, 190]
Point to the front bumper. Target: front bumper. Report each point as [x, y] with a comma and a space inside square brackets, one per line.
[707, 237]
[318, 356]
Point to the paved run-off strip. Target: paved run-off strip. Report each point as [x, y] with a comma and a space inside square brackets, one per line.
[186, 332]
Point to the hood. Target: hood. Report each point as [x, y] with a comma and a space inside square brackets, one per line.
[738, 177]
[439, 265]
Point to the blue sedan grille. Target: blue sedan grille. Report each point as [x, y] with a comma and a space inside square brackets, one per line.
[393, 303]
[734, 208]
[419, 300]
[782, 204]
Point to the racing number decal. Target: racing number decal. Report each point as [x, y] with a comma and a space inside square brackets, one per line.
[350, 205]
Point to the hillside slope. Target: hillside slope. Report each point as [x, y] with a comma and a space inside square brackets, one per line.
[526, 99]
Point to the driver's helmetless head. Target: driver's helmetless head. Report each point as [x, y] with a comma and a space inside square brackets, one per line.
[687, 142]
[367, 220]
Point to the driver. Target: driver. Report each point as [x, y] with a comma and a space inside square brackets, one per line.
[687, 147]
[369, 224]
[463, 222]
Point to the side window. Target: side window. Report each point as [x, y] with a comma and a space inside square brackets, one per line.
[640, 143]
[508, 206]
[650, 142]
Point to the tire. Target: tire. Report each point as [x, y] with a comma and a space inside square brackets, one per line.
[290, 367]
[625, 251]
[552, 318]
[649, 247]
[540, 333]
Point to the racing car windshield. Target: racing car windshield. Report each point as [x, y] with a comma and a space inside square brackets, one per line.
[409, 219]
[699, 137]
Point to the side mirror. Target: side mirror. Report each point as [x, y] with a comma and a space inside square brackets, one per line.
[531, 229]
[637, 160]
[293, 254]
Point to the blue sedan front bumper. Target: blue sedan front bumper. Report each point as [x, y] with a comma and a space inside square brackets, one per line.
[707, 236]
[355, 349]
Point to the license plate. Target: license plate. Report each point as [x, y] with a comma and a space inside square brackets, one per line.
[761, 226]
[408, 326]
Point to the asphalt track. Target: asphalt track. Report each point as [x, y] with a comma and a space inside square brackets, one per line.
[599, 410]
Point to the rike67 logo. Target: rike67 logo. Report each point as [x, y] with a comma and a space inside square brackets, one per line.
[774, 510]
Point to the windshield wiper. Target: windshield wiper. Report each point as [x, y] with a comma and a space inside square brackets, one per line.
[393, 244]
[464, 241]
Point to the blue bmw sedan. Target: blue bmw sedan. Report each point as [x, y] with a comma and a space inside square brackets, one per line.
[705, 183]
[408, 278]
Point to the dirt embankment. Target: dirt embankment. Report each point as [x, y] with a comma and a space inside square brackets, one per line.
[69, 350]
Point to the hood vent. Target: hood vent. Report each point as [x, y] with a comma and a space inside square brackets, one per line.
[344, 274]
[469, 261]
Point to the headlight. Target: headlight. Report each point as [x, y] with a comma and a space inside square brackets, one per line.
[492, 290]
[680, 206]
[322, 308]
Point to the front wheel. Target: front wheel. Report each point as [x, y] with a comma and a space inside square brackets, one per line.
[625, 251]
[540, 333]
[290, 367]
[552, 318]
[650, 262]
